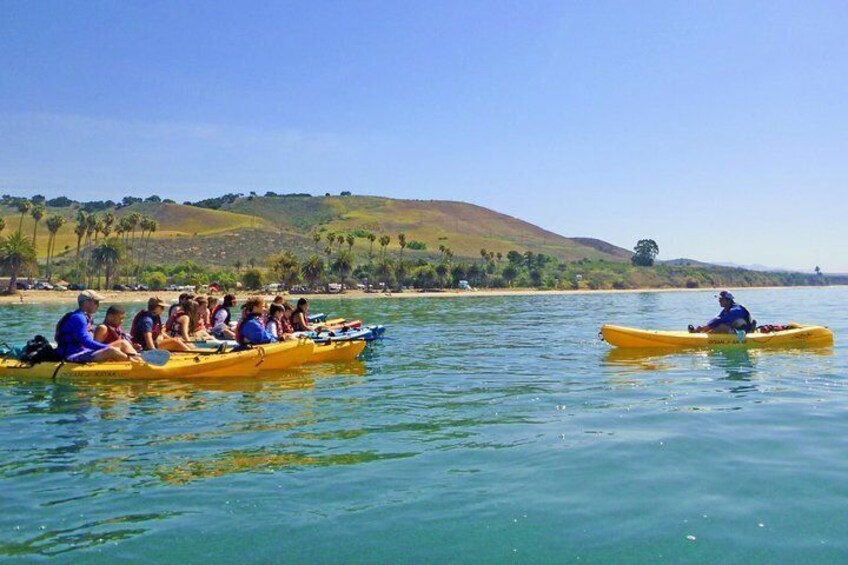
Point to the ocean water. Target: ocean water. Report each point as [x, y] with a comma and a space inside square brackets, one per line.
[485, 429]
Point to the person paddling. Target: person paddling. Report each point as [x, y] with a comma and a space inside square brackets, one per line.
[732, 317]
[146, 329]
[75, 342]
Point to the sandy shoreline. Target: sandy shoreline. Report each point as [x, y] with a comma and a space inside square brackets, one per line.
[57, 297]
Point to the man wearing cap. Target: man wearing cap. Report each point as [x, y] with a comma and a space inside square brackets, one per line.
[146, 329]
[732, 317]
[76, 343]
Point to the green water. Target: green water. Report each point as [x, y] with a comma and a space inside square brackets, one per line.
[485, 430]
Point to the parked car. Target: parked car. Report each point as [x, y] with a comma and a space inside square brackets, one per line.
[59, 287]
[142, 288]
[23, 285]
[76, 286]
[43, 285]
[120, 287]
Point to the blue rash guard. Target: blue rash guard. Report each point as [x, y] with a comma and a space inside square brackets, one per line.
[252, 332]
[75, 340]
[736, 317]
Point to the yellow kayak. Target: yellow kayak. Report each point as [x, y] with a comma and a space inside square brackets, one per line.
[800, 336]
[179, 366]
[337, 351]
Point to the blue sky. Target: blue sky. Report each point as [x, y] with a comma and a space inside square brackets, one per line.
[720, 129]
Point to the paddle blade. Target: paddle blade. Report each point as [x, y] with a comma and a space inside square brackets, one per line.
[156, 357]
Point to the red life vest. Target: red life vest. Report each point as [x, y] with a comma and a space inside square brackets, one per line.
[172, 327]
[135, 328]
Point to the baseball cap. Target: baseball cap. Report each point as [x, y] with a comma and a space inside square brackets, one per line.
[725, 294]
[89, 295]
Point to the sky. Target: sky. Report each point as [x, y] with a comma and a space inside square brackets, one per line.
[718, 129]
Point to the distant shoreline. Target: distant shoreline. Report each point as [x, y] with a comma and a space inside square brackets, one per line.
[60, 297]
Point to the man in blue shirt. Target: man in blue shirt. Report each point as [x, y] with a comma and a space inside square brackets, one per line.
[76, 342]
[732, 317]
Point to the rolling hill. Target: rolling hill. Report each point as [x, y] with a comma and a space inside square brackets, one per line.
[254, 227]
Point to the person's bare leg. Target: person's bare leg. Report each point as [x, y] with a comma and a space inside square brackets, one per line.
[109, 354]
[173, 344]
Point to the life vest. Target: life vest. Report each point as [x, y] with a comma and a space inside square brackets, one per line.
[285, 325]
[135, 328]
[58, 334]
[114, 334]
[215, 311]
[277, 326]
[172, 327]
[295, 321]
[750, 323]
[239, 337]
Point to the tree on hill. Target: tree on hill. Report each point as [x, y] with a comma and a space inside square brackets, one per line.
[54, 223]
[371, 239]
[646, 251]
[37, 212]
[108, 256]
[313, 270]
[16, 254]
[285, 268]
[384, 242]
[23, 205]
[252, 279]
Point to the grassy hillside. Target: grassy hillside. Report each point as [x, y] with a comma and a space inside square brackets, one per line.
[258, 226]
[465, 228]
[175, 221]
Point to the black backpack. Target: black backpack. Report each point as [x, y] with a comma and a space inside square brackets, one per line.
[39, 350]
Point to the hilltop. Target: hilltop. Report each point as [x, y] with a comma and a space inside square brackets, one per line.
[222, 230]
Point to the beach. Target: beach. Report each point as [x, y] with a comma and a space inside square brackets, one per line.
[55, 297]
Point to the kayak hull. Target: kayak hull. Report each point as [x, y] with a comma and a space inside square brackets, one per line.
[337, 351]
[286, 354]
[802, 336]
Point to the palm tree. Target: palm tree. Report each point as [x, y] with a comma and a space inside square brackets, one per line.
[350, 241]
[402, 243]
[80, 229]
[285, 266]
[16, 254]
[331, 237]
[108, 222]
[384, 242]
[316, 237]
[108, 255]
[23, 205]
[343, 265]
[238, 265]
[2, 224]
[340, 239]
[150, 225]
[313, 269]
[132, 221]
[54, 223]
[37, 212]
[371, 239]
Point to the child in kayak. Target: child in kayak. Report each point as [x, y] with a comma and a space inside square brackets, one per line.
[250, 330]
[111, 330]
[146, 329]
[75, 342]
[732, 317]
[277, 325]
[221, 319]
[300, 317]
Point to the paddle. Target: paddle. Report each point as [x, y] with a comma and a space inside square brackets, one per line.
[156, 357]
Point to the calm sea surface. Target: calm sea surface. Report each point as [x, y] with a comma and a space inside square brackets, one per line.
[485, 430]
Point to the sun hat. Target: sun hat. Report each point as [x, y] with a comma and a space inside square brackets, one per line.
[154, 302]
[89, 295]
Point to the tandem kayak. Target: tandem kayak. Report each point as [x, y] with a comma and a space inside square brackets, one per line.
[799, 336]
[180, 366]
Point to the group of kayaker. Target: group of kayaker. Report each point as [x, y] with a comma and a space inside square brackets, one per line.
[192, 318]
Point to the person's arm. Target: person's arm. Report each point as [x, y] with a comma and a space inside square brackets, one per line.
[78, 328]
[100, 333]
[185, 322]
